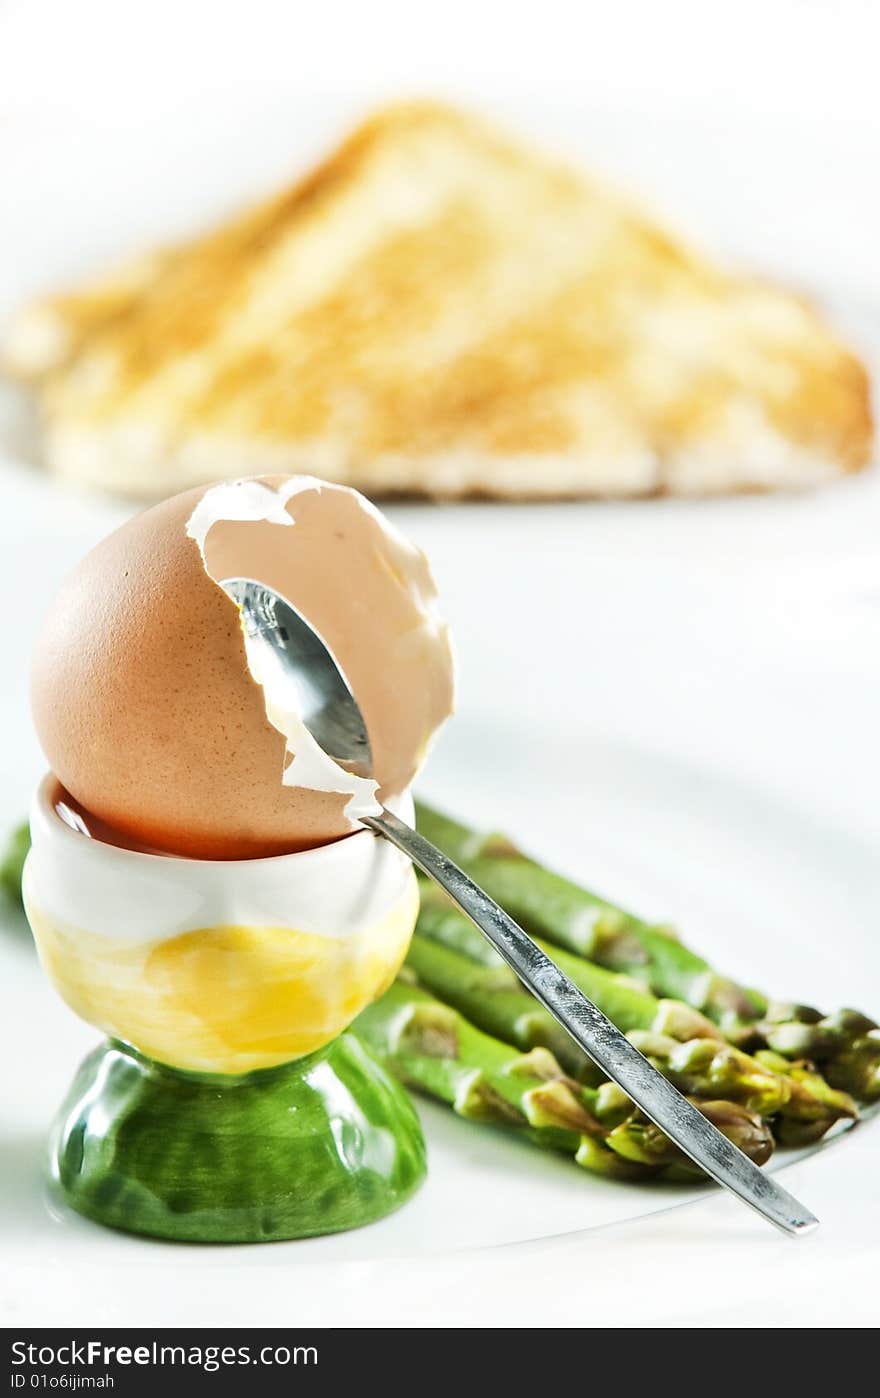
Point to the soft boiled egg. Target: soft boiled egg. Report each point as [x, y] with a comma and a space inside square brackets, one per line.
[156, 721]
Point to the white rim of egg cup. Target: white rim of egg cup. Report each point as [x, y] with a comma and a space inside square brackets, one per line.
[336, 890]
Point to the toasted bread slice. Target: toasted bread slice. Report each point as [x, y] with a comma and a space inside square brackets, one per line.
[438, 310]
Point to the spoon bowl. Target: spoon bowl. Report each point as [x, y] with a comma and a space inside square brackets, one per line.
[325, 701]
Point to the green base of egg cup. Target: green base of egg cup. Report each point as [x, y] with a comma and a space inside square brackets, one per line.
[325, 1143]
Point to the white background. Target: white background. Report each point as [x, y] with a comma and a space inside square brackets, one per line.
[724, 657]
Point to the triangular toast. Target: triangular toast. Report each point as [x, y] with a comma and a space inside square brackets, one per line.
[439, 310]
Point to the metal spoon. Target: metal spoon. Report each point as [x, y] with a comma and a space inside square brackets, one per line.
[330, 712]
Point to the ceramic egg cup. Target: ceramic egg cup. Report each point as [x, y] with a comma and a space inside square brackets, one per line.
[227, 1103]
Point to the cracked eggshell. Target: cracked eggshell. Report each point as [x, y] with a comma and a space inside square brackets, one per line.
[142, 696]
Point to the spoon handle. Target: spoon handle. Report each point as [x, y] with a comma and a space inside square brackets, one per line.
[600, 1039]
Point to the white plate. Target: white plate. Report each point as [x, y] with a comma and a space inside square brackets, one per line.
[648, 829]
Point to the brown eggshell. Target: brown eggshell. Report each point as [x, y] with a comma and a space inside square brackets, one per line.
[147, 712]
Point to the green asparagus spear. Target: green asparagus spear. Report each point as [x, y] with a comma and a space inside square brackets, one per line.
[551, 906]
[812, 1100]
[12, 862]
[622, 999]
[548, 905]
[433, 1048]
[686, 1047]
[804, 1107]
[640, 1140]
[856, 1068]
[492, 998]
[637, 1150]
